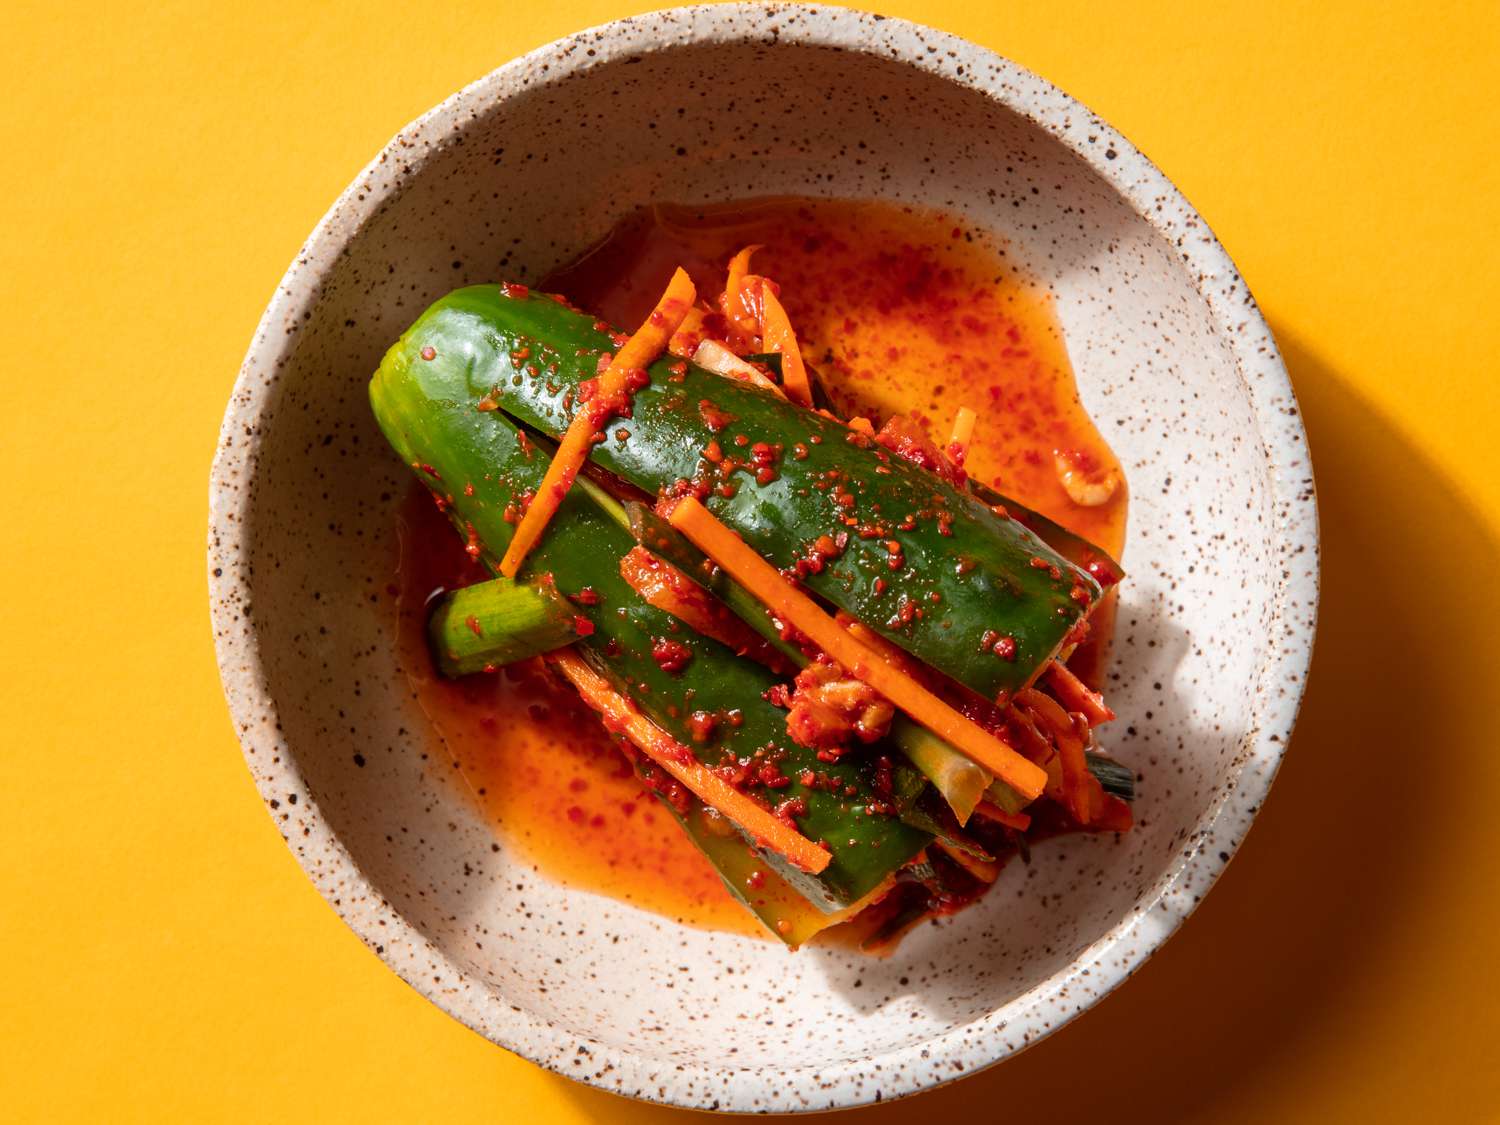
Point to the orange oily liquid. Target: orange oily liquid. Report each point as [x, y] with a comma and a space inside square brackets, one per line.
[902, 311]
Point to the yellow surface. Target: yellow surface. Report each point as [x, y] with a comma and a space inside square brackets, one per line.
[162, 956]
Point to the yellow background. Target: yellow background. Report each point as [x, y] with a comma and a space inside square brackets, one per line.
[161, 955]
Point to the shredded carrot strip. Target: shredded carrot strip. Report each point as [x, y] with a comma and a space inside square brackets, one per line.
[620, 716]
[1076, 777]
[862, 424]
[1031, 742]
[663, 586]
[777, 336]
[1056, 791]
[735, 304]
[611, 395]
[1081, 791]
[1048, 712]
[1075, 695]
[991, 811]
[689, 334]
[798, 610]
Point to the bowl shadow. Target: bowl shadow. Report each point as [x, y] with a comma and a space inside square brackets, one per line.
[1306, 911]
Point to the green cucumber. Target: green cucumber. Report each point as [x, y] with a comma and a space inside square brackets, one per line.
[961, 781]
[1070, 545]
[933, 569]
[480, 466]
[465, 649]
[778, 905]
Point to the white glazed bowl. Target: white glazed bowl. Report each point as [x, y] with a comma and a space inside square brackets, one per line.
[520, 171]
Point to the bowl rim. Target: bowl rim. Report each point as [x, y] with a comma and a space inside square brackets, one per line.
[1109, 960]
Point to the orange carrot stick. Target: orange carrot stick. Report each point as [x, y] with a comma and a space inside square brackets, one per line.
[1075, 695]
[610, 397]
[1082, 793]
[621, 717]
[663, 586]
[1076, 779]
[735, 304]
[991, 811]
[798, 610]
[892, 655]
[776, 335]
[689, 334]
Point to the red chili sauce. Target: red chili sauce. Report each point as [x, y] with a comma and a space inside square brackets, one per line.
[901, 311]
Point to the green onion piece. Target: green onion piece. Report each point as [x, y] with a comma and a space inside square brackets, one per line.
[1116, 778]
[497, 622]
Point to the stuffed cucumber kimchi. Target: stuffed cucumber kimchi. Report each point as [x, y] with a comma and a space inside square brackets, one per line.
[762, 565]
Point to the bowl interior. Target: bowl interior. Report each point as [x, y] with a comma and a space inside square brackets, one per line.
[529, 173]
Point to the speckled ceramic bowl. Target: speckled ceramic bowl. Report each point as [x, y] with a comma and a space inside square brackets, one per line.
[522, 170]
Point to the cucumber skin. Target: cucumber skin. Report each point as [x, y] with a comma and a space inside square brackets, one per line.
[477, 462]
[531, 353]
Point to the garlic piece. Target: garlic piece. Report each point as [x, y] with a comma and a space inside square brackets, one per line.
[1086, 488]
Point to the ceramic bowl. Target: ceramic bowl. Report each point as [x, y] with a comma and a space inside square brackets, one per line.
[522, 170]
